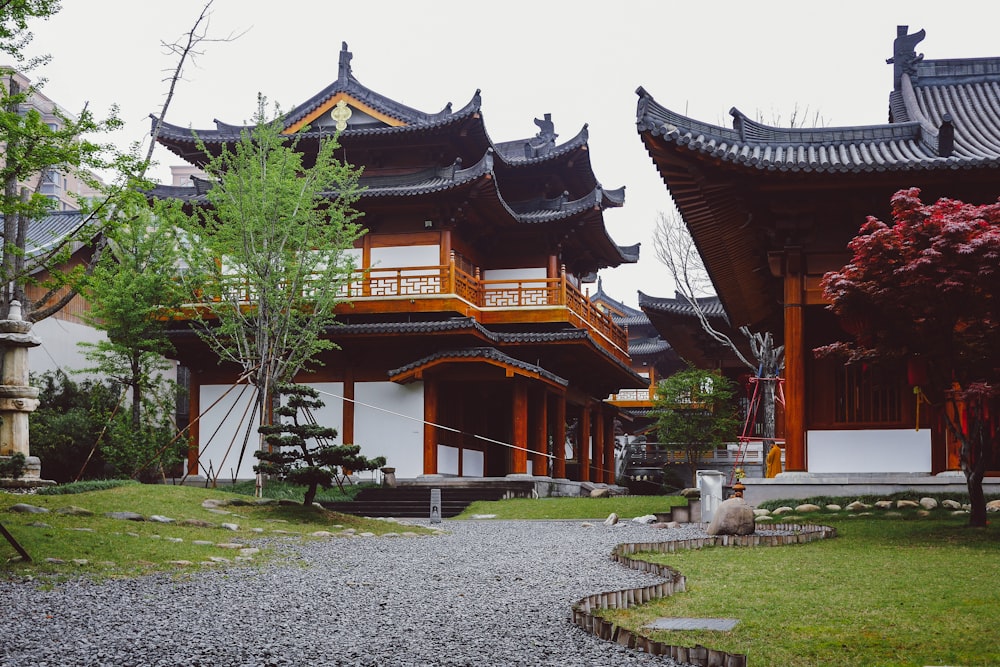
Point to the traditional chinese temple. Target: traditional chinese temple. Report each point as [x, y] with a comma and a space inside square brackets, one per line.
[772, 209]
[469, 343]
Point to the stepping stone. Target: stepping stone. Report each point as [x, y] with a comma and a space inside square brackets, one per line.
[723, 624]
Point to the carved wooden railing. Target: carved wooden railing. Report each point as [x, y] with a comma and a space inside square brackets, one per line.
[448, 280]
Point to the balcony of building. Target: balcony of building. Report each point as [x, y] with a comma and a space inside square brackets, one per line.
[449, 288]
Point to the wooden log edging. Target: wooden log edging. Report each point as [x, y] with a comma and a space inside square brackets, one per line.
[674, 582]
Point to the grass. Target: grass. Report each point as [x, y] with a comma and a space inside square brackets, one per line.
[888, 590]
[116, 547]
[625, 507]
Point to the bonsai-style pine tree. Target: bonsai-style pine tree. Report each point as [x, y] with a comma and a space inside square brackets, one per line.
[292, 458]
[695, 412]
[925, 291]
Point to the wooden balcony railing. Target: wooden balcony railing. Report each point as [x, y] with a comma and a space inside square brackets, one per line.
[503, 294]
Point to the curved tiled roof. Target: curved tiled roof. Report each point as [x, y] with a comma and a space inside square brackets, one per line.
[945, 114]
[426, 181]
[484, 353]
[647, 346]
[678, 305]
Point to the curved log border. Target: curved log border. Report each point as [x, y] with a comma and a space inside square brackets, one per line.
[674, 582]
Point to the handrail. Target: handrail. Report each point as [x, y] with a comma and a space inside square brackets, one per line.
[449, 279]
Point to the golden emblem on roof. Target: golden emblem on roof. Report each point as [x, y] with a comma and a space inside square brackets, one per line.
[341, 113]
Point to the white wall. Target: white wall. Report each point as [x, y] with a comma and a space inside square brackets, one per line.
[59, 349]
[472, 461]
[863, 451]
[222, 429]
[403, 256]
[395, 431]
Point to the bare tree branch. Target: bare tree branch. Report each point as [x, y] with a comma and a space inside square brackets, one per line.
[186, 48]
[676, 249]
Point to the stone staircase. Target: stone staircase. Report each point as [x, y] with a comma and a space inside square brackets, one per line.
[413, 502]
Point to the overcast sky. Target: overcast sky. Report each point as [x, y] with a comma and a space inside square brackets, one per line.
[579, 60]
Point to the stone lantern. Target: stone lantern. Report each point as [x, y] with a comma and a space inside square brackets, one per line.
[17, 398]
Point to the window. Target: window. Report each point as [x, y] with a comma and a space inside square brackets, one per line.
[866, 395]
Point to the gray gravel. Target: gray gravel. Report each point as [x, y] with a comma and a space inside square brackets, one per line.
[485, 593]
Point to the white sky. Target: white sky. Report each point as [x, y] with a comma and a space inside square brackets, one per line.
[581, 61]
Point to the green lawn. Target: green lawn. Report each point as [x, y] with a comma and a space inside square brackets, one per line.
[626, 507]
[116, 547]
[886, 591]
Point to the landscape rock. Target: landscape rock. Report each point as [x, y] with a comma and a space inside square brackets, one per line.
[784, 509]
[611, 520]
[762, 512]
[691, 492]
[198, 523]
[883, 504]
[73, 510]
[907, 504]
[807, 507]
[25, 508]
[646, 518]
[230, 526]
[951, 504]
[156, 518]
[833, 507]
[993, 506]
[928, 503]
[733, 517]
[125, 516]
[857, 506]
[600, 493]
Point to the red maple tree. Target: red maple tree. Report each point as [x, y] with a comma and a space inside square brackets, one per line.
[926, 291]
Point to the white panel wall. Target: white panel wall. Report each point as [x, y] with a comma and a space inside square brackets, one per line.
[402, 256]
[59, 349]
[396, 431]
[473, 463]
[223, 427]
[869, 451]
[515, 274]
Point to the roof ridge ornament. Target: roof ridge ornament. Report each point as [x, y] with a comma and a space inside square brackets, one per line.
[344, 67]
[904, 56]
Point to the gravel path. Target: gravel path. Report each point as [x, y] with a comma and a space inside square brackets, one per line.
[485, 593]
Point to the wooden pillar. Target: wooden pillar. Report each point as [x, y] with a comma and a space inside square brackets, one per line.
[519, 432]
[795, 362]
[598, 448]
[559, 436]
[430, 431]
[194, 414]
[609, 448]
[539, 411]
[584, 445]
[347, 431]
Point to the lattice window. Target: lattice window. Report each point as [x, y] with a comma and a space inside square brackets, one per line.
[865, 395]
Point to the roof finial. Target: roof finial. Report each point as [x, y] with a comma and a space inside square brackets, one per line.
[904, 56]
[345, 62]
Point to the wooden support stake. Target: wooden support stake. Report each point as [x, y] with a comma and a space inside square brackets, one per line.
[14, 543]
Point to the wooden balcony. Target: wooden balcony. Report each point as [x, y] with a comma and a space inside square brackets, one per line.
[448, 288]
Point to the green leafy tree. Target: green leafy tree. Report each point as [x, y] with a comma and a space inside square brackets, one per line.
[132, 293]
[70, 423]
[290, 456]
[925, 291]
[268, 253]
[82, 432]
[32, 150]
[695, 412]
